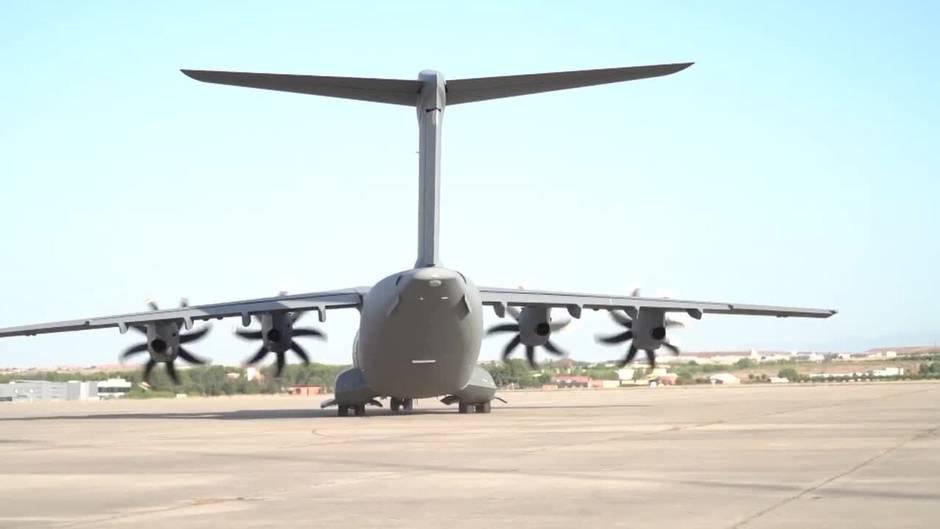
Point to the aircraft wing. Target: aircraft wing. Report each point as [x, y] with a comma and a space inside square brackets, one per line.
[318, 301]
[500, 298]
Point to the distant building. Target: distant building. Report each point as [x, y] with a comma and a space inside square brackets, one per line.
[113, 388]
[626, 374]
[304, 391]
[809, 357]
[571, 381]
[31, 390]
[724, 378]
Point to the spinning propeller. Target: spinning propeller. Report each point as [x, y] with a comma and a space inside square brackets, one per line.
[533, 328]
[657, 333]
[277, 334]
[645, 329]
[165, 344]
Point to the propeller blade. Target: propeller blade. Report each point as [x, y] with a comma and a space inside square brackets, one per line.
[530, 356]
[195, 335]
[249, 335]
[132, 350]
[171, 370]
[673, 323]
[191, 358]
[672, 348]
[554, 349]
[621, 318]
[511, 346]
[557, 326]
[281, 360]
[615, 339]
[651, 356]
[300, 352]
[153, 305]
[631, 354]
[148, 368]
[261, 353]
[503, 327]
[309, 332]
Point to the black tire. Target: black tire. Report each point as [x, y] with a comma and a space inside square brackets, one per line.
[484, 407]
[408, 404]
[395, 404]
[342, 411]
[360, 410]
[463, 408]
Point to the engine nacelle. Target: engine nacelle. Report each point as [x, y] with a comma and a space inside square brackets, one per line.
[277, 331]
[535, 325]
[649, 329]
[163, 341]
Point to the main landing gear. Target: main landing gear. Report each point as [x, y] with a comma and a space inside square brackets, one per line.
[358, 409]
[397, 404]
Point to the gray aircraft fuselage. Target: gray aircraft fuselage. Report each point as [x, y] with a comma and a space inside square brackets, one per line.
[420, 333]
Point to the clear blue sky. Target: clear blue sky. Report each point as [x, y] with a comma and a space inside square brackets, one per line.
[795, 163]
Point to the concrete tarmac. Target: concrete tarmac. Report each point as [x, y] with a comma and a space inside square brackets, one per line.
[853, 455]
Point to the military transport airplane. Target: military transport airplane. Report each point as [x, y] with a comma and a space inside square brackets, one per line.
[421, 329]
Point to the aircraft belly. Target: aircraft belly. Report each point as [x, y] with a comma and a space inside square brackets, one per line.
[420, 333]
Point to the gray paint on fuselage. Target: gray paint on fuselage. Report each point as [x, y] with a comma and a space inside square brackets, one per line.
[420, 333]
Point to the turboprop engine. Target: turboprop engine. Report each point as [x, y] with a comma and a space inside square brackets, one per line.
[277, 336]
[533, 329]
[165, 344]
[646, 330]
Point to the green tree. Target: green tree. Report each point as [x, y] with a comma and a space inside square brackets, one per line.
[789, 373]
[744, 363]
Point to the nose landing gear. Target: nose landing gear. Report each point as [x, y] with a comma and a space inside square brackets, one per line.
[482, 407]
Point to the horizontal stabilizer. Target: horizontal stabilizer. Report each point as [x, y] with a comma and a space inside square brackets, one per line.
[483, 88]
[395, 91]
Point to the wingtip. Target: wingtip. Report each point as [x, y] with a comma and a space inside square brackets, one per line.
[192, 74]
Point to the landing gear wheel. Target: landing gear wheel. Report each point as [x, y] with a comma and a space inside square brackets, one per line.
[408, 404]
[395, 404]
[360, 410]
[342, 411]
[463, 407]
[484, 407]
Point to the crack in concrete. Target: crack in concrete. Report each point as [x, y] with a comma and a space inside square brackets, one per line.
[920, 435]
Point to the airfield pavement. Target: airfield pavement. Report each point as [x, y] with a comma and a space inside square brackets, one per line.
[853, 455]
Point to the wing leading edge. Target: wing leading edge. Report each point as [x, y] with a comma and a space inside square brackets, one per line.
[318, 301]
[500, 298]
